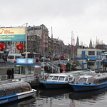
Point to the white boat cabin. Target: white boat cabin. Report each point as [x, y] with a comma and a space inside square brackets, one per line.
[60, 78]
[84, 79]
[96, 79]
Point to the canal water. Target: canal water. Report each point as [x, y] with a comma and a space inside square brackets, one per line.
[63, 98]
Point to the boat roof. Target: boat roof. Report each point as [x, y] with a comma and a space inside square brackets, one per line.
[59, 74]
[86, 76]
[80, 72]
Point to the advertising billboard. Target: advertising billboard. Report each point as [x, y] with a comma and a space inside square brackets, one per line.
[14, 34]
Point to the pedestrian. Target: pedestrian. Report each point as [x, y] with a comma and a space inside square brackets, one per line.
[12, 73]
[8, 73]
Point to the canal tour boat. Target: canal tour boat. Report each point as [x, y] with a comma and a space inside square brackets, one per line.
[90, 82]
[56, 81]
[13, 91]
[62, 80]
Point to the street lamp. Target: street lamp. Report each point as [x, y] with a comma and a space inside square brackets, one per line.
[26, 33]
[26, 38]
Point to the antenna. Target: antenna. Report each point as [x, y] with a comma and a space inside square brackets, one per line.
[72, 45]
[52, 48]
[26, 39]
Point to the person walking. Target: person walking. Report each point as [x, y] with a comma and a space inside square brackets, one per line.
[12, 73]
[8, 74]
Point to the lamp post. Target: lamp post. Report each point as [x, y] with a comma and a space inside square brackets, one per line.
[26, 33]
[88, 63]
[26, 38]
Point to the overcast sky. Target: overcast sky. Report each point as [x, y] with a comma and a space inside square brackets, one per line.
[86, 18]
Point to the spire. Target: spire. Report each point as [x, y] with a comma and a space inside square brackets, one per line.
[72, 39]
[51, 33]
[77, 42]
[90, 45]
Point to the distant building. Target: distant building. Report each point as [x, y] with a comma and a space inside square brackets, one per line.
[90, 44]
[102, 47]
[89, 58]
[55, 47]
[40, 34]
[33, 41]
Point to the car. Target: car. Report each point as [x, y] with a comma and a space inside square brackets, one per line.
[12, 57]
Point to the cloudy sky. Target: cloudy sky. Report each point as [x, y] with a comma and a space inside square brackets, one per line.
[87, 19]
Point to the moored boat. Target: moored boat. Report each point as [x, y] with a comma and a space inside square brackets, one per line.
[15, 91]
[90, 82]
[87, 94]
[57, 81]
[62, 80]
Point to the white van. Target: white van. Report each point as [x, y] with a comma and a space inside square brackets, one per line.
[12, 57]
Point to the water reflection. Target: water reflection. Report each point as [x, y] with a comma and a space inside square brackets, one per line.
[87, 95]
[54, 98]
[64, 98]
[27, 102]
[52, 93]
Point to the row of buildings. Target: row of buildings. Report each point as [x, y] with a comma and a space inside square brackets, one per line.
[36, 39]
[40, 42]
[92, 57]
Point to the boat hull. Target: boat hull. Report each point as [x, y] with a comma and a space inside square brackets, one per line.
[8, 99]
[88, 87]
[14, 97]
[54, 85]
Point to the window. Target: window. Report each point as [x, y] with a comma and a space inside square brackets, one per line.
[91, 52]
[70, 79]
[17, 57]
[98, 53]
[55, 78]
[66, 79]
[82, 80]
[83, 54]
[90, 63]
[50, 77]
[61, 78]
[10, 57]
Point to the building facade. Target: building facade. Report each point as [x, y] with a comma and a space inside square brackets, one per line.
[89, 58]
[38, 39]
[33, 40]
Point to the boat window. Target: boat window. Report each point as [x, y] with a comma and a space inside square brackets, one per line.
[50, 77]
[100, 80]
[55, 78]
[82, 80]
[61, 78]
[90, 80]
[66, 79]
[70, 79]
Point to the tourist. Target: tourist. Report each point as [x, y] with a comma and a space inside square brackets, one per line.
[8, 74]
[12, 73]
